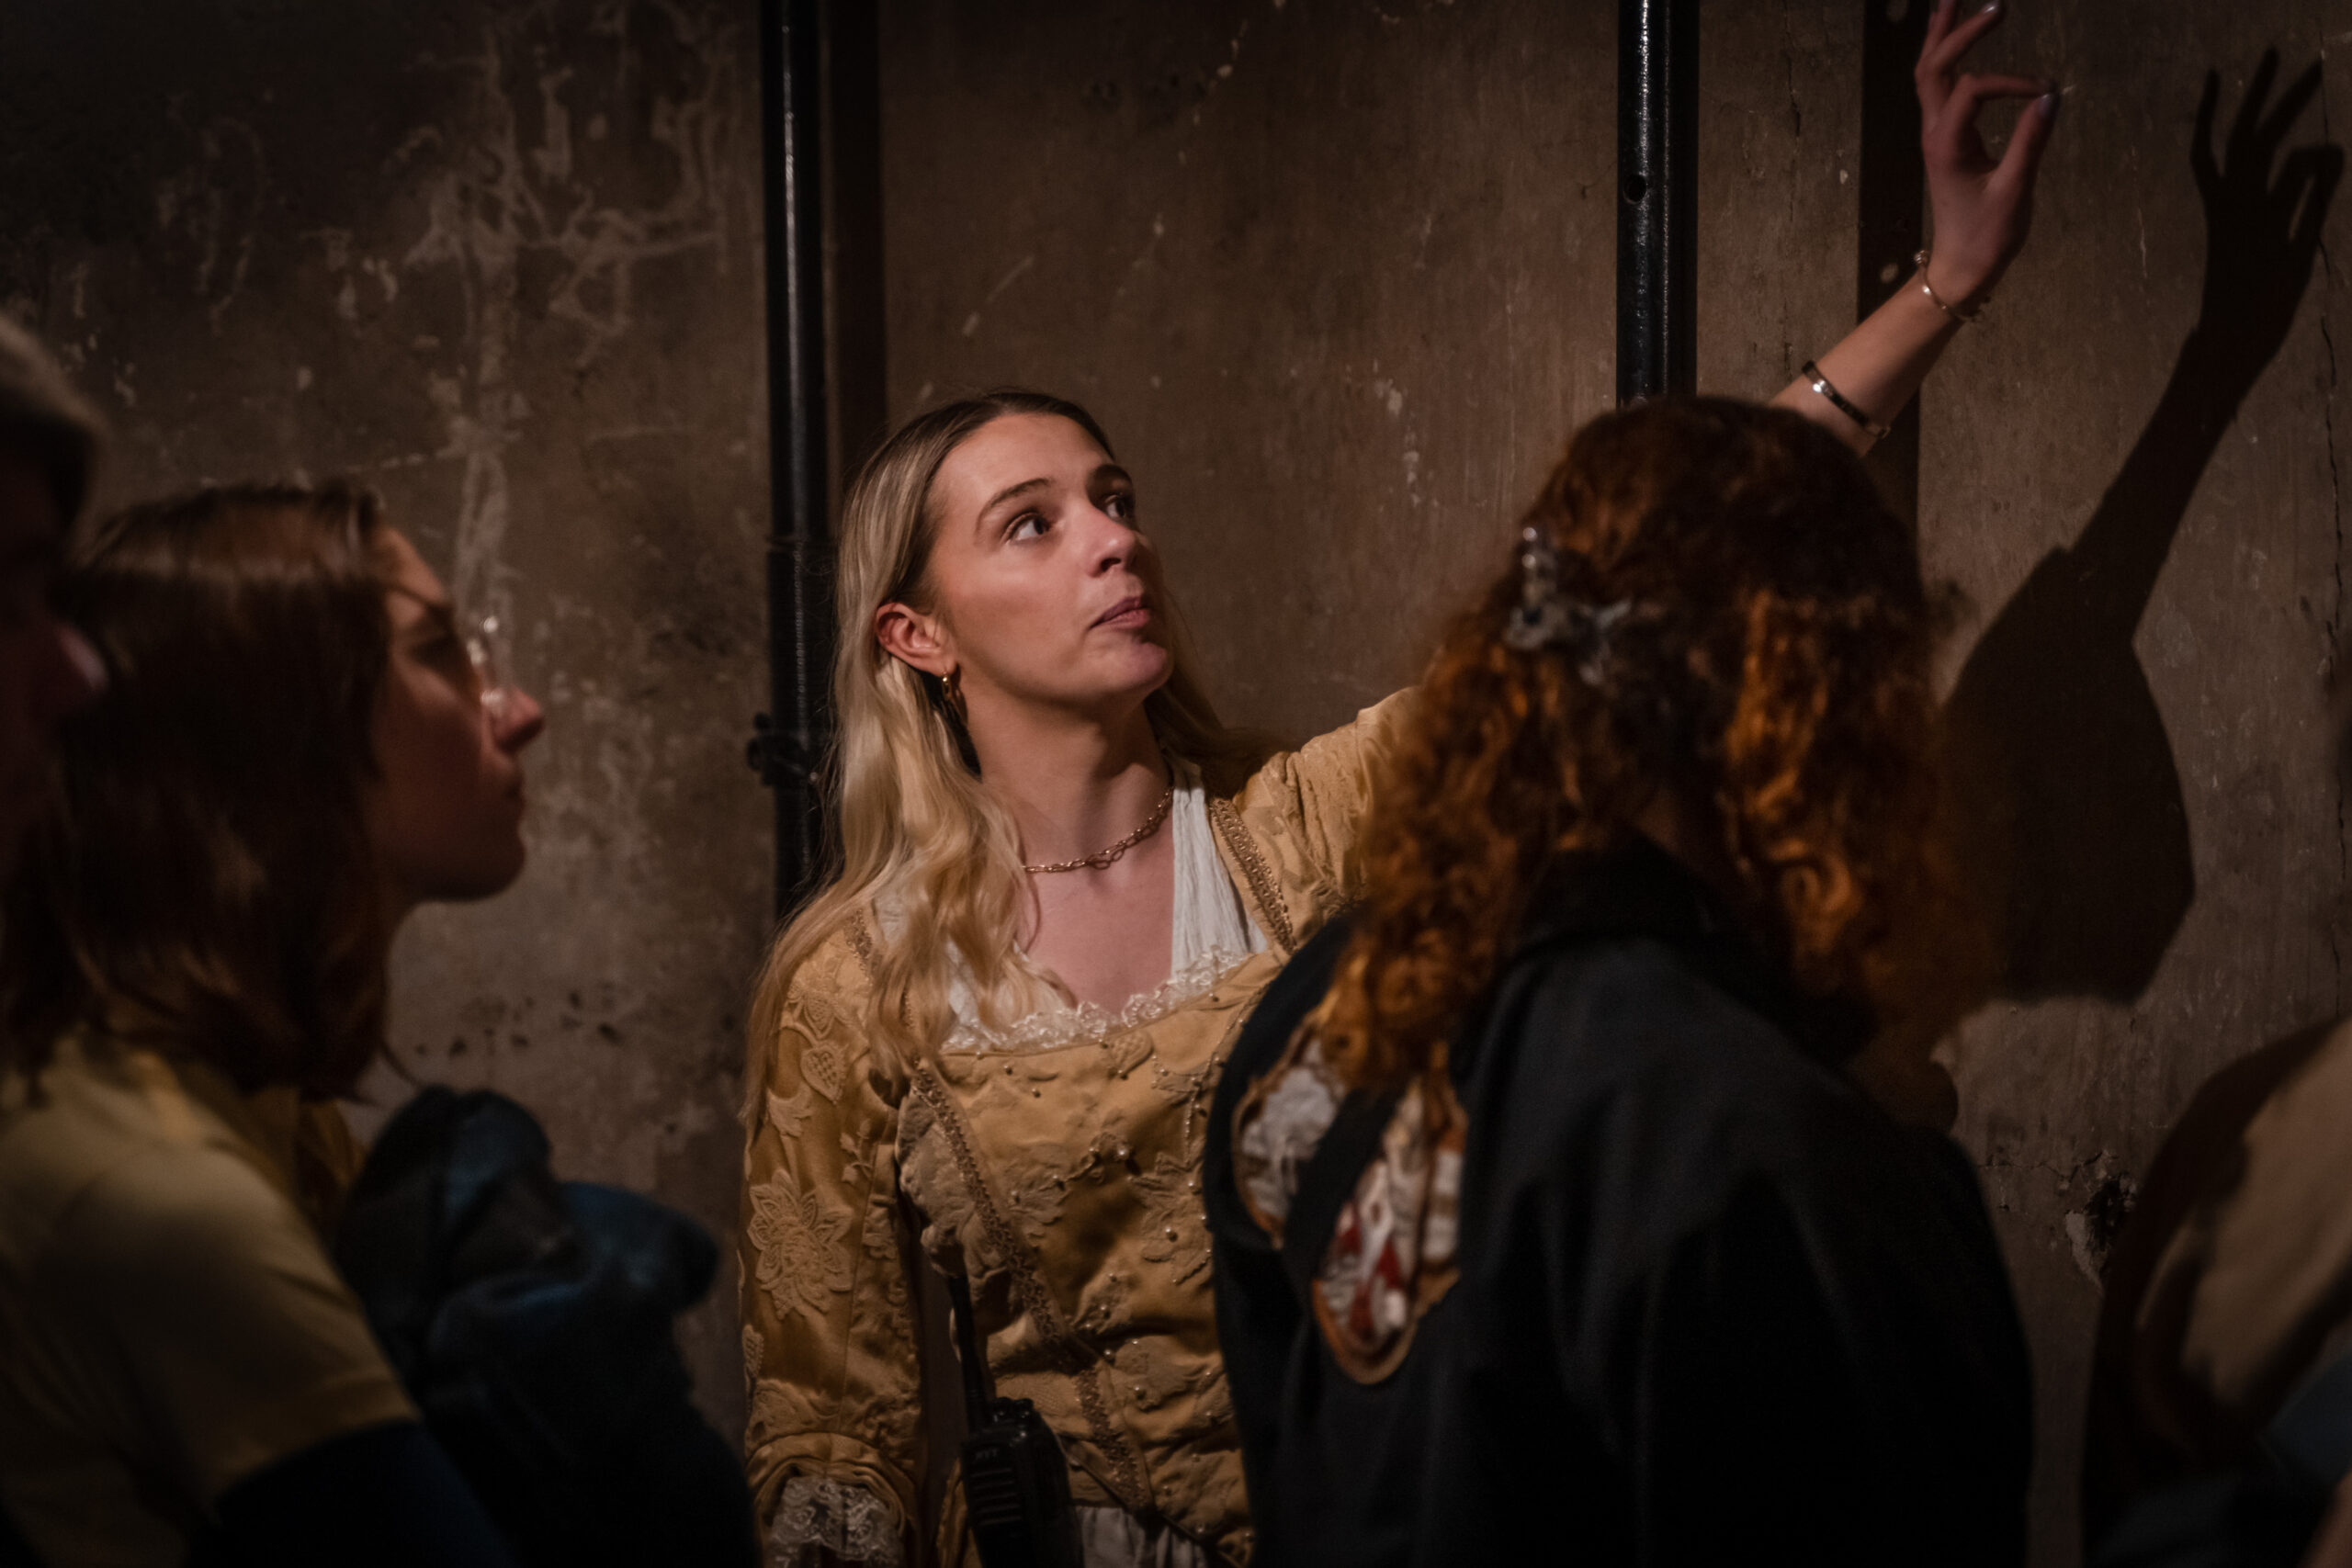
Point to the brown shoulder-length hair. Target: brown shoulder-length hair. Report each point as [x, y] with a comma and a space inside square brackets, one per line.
[1771, 669]
[203, 881]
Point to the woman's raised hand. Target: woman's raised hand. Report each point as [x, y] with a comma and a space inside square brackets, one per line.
[1983, 207]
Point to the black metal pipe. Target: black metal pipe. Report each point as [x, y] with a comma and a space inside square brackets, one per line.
[789, 740]
[1658, 196]
[858, 402]
[1891, 189]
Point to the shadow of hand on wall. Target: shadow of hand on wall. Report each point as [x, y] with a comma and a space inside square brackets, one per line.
[2073, 831]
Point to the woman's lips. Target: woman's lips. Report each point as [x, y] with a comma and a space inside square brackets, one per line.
[1133, 611]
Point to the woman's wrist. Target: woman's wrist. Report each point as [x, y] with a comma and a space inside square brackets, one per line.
[1919, 323]
[1957, 288]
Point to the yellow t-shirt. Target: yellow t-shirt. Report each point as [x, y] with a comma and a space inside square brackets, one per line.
[170, 1323]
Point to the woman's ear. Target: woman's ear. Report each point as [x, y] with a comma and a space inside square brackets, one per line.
[913, 638]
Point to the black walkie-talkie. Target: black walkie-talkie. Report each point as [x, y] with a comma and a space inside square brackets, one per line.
[1016, 1483]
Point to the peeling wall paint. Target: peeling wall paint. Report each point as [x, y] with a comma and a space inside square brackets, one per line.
[499, 260]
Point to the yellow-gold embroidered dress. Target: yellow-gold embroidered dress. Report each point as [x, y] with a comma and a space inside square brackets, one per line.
[1055, 1164]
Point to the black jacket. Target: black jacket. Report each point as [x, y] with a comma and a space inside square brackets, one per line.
[1713, 1306]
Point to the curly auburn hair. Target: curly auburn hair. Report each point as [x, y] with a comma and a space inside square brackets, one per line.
[1770, 678]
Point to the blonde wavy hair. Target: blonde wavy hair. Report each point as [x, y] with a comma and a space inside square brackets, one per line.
[915, 832]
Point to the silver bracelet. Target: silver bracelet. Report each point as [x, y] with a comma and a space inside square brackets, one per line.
[1839, 400]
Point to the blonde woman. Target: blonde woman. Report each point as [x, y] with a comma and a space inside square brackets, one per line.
[990, 1043]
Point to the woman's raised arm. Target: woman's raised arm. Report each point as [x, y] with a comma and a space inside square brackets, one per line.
[1982, 208]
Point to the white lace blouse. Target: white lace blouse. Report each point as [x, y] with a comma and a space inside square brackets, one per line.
[1209, 934]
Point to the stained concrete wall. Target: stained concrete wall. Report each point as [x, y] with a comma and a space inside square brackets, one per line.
[1336, 282]
[2156, 637]
[1337, 273]
[501, 262]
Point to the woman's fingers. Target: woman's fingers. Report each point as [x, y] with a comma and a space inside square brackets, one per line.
[1956, 126]
[2023, 159]
[1941, 55]
[1938, 24]
[1947, 40]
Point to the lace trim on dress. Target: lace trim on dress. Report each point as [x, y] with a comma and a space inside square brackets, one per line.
[1227, 817]
[1211, 934]
[842, 1517]
[1062, 1024]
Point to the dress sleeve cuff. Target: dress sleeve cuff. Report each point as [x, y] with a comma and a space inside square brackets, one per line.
[819, 1521]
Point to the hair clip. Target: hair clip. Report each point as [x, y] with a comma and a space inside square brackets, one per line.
[1545, 618]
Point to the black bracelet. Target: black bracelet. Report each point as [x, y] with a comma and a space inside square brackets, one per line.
[1820, 383]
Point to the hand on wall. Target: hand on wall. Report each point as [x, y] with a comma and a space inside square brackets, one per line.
[1983, 206]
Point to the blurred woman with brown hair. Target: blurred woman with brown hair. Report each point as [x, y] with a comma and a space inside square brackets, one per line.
[296, 749]
[1546, 1208]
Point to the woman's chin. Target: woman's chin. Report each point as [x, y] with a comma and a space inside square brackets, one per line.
[1134, 675]
[1157, 663]
[1104, 690]
[1157, 675]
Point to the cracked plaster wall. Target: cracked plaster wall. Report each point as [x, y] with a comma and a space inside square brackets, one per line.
[499, 260]
[1338, 277]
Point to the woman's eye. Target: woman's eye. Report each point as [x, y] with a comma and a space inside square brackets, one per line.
[1028, 526]
[1121, 506]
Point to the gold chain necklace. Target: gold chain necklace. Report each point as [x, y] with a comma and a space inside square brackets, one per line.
[1102, 858]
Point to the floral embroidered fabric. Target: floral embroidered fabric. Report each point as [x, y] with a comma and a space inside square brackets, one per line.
[1056, 1165]
[1391, 1255]
[1281, 1131]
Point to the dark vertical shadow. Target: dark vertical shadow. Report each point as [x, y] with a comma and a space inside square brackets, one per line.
[854, 296]
[2068, 799]
[1891, 198]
